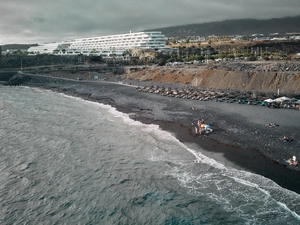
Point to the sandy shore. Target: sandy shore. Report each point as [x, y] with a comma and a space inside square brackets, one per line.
[240, 139]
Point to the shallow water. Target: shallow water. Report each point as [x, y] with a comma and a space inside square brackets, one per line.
[65, 160]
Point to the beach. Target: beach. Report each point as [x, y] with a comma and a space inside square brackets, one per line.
[240, 137]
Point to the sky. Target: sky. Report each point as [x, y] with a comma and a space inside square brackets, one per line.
[40, 21]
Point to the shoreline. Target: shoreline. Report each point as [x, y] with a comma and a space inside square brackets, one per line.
[237, 157]
[234, 141]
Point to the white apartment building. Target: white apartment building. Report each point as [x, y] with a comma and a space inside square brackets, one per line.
[104, 45]
[120, 42]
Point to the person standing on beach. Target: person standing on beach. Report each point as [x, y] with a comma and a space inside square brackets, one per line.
[199, 129]
[293, 161]
[199, 123]
[196, 130]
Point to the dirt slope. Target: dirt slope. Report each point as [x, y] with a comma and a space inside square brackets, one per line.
[258, 76]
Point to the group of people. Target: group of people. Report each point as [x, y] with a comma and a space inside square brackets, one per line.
[293, 161]
[286, 139]
[272, 125]
[202, 127]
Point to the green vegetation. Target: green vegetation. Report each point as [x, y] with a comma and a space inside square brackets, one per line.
[97, 59]
[192, 53]
[238, 49]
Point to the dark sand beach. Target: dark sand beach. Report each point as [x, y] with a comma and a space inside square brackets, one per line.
[240, 138]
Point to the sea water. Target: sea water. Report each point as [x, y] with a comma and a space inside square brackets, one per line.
[64, 160]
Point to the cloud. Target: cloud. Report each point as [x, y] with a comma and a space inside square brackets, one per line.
[40, 21]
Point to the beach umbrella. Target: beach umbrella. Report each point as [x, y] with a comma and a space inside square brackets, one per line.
[269, 100]
[294, 99]
[283, 99]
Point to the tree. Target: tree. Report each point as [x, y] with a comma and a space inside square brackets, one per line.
[230, 56]
[162, 61]
[18, 52]
[127, 53]
[221, 55]
[199, 57]
[133, 60]
[252, 57]
[96, 59]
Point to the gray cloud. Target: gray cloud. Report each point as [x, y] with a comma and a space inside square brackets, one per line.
[33, 21]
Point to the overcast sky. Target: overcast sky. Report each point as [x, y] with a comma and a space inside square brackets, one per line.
[33, 21]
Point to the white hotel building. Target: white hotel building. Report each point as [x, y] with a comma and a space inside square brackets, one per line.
[107, 45]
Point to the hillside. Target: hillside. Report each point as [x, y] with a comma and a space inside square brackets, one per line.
[232, 27]
[243, 76]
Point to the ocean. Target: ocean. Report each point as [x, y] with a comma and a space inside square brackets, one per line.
[64, 160]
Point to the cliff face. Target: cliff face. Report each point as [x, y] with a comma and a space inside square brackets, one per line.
[266, 77]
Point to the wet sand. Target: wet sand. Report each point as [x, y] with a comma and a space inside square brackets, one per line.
[240, 139]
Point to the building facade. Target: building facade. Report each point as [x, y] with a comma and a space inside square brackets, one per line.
[106, 46]
[45, 48]
[154, 40]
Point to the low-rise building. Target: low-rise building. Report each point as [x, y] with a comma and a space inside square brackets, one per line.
[45, 48]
